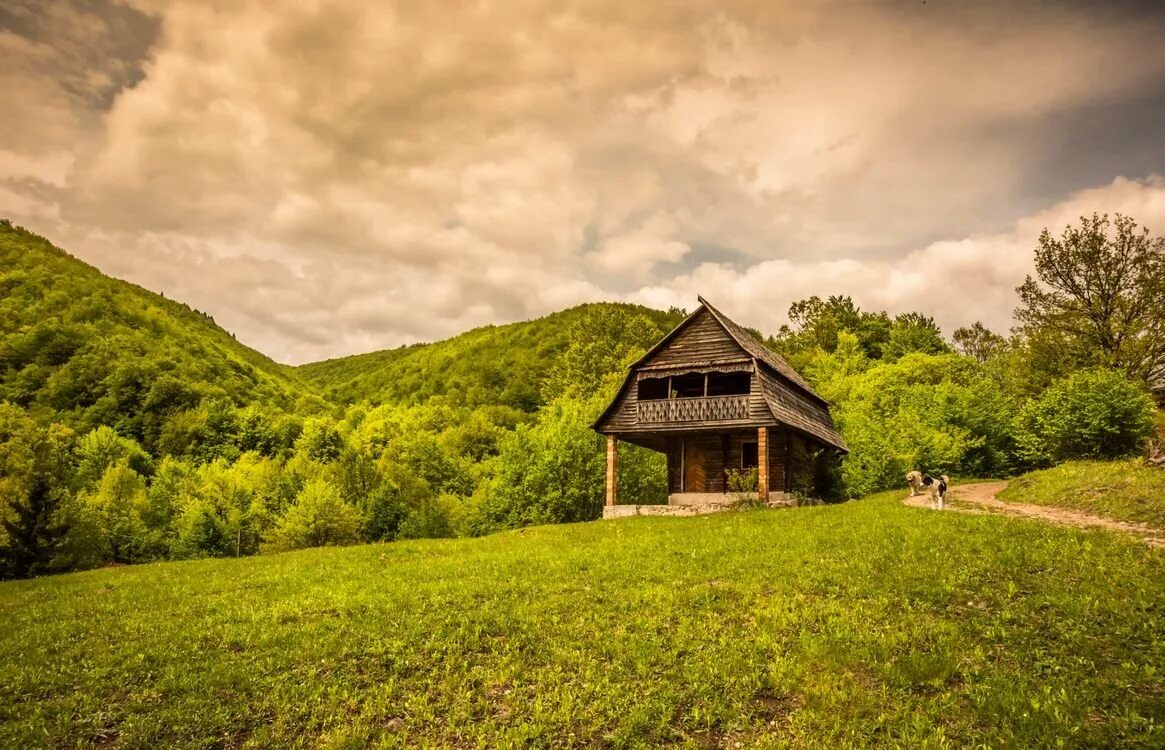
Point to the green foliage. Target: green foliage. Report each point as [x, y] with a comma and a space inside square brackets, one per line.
[742, 480]
[866, 624]
[604, 340]
[913, 332]
[1095, 413]
[319, 517]
[98, 351]
[33, 530]
[490, 366]
[817, 324]
[979, 342]
[34, 483]
[548, 472]
[117, 504]
[943, 413]
[320, 440]
[102, 448]
[642, 475]
[1099, 296]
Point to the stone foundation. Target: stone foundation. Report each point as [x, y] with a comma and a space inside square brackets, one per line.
[777, 500]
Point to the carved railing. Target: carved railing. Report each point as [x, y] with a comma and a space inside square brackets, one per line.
[709, 409]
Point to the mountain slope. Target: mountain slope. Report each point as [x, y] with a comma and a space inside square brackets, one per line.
[490, 365]
[97, 350]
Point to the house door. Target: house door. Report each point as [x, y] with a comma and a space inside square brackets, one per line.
[695, 460]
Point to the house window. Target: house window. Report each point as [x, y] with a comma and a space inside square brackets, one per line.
[652, 389]
[748, 456]
[728, 383]
[689, 385]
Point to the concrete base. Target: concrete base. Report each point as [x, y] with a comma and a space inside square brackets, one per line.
[722, 498]
[727, 502]
[626, 511]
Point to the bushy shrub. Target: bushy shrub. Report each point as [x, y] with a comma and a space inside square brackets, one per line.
[742, 480]
[1094, 413]
[549, 472]
[319, 517]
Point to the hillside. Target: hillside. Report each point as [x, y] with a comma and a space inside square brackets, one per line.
[860, 625]
[1122, 490]
[97, 350]
[491, 365]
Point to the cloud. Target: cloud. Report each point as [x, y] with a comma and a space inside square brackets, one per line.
[957, 281]
[638, 251]
[329, 177]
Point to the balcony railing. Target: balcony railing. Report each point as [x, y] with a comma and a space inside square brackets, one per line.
[708, 409]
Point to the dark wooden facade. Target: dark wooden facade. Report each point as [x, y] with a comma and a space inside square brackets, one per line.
[713, 398]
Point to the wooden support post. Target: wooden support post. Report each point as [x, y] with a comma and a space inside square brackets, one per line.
[612, 468]
[762, 463]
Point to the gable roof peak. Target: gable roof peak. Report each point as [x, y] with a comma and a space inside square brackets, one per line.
[756, 349]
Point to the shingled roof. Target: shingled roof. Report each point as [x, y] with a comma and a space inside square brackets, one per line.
[783, 396]
[756, 349]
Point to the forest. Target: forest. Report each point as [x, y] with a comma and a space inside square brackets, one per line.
[134, 428]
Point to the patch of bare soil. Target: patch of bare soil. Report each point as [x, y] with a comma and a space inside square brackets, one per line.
[980, 498]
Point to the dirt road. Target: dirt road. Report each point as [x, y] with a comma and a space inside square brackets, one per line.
[980, 498]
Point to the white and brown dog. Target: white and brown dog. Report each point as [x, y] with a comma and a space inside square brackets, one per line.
[923, 484]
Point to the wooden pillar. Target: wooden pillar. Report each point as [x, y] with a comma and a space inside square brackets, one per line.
[612, 468]
[762, 463]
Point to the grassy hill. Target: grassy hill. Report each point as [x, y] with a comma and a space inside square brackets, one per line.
[864, 624]
[97, 350]
[1122, 490]
[485, 366]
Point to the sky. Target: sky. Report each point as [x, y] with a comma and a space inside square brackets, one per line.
[328, 178]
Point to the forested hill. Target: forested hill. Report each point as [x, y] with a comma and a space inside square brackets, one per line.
[492, 365]
[96, 350]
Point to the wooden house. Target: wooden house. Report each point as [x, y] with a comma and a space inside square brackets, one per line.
[714, 399]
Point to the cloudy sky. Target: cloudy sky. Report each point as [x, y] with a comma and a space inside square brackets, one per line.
[328, 178]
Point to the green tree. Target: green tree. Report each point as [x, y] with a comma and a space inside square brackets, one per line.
[913, 332]
[34, 483]
[34, 531]
[942, 413]
[602, 343]
[119, 501]
[318, 517]
[817, 323]
[549, 472]
[320, 440]
[102, 448]
[1095, 413]
[1100, 288]
[978, 341]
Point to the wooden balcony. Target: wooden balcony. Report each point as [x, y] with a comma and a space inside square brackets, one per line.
[706, 409]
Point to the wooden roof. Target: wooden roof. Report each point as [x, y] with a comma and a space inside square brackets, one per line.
[707, 340]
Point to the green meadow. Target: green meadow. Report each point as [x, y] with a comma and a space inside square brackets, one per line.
[856, 625]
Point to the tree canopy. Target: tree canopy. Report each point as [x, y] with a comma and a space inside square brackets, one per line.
[1099, 296]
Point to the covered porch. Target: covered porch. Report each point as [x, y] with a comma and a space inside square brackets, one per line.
[701, 462]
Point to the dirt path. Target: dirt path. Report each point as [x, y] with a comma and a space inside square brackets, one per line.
[980, 498]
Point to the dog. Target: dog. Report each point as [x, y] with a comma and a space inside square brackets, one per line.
[924, 484]
[914, 479]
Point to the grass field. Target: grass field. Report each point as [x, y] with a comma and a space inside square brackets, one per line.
[866, 624]
[1124, 490]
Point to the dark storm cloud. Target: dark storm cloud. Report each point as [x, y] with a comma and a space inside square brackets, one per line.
[330, 177]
